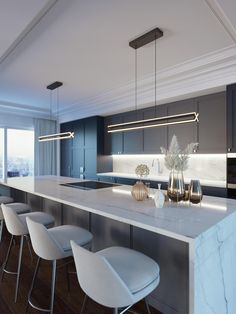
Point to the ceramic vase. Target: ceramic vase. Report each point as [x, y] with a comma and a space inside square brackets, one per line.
[139, 191]
[159, 197]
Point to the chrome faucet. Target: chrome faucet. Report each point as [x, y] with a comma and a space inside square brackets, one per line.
[159, 171]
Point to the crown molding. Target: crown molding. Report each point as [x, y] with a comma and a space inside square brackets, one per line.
[24, 110]
[210, 71]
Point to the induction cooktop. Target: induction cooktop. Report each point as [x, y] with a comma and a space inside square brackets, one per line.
[89, 185]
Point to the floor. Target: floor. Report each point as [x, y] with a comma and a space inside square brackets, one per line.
[68, 302]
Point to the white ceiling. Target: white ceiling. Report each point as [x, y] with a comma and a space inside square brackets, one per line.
[84, 44]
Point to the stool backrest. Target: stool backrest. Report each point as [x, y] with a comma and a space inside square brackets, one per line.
[14, 224]
[43, 244]
[99, 280]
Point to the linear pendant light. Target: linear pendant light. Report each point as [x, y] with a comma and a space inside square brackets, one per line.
[55, 136]
[188, 117]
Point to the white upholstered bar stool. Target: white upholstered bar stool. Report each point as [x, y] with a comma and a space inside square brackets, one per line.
[19, 208]
[17, 226]
[115, 277]
[54, 244]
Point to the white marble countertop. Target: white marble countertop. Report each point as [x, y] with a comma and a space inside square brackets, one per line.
[214, 183]
[179, 221]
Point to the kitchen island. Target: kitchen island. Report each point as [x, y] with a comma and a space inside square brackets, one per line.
[195, 245]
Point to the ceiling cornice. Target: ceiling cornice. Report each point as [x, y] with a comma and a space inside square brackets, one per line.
[27, 30]
[22, 109]
[222, 18]
[210, 71]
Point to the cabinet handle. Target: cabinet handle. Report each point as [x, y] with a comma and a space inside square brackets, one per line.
[229, 149]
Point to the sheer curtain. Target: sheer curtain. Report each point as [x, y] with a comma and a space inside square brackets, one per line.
[45, 152]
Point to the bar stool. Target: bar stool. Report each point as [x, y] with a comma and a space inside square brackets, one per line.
[17, 226]
[19, 208]
[54, 244]
[115, 277]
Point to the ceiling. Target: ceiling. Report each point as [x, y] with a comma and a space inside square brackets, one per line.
[84, 44]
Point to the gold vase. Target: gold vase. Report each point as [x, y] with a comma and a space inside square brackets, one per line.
[139, 191]
[176, 188]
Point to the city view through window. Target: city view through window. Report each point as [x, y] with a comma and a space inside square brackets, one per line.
[20, 152]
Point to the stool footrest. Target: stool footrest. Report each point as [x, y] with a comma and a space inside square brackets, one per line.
[37, 307]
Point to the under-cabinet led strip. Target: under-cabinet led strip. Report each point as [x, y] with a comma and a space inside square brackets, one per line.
[57, 136]
[133, 125]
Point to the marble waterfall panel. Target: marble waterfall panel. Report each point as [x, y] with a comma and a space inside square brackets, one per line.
[214, 270]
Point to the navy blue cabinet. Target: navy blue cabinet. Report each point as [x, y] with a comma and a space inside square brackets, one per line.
[82, 156]
[231, 118]
[212, 123]
[186, 133]
[113, 142]
[155, 137]
[133, 140]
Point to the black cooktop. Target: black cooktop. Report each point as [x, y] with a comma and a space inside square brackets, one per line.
[90, 185]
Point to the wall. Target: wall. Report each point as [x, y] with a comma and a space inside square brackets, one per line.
[210, 169]
[16, 121]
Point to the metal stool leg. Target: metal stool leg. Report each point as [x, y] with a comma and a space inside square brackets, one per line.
[147, 306]
[115, 311]
[29, 248]
[1, 229]
[84, 303]
[32, 284]
[7, 257]
[54, 268]
[19, 267]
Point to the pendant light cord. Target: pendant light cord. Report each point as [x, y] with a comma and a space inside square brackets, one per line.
[136, 83]
[50, 105]
[57, 104]
[155, 77]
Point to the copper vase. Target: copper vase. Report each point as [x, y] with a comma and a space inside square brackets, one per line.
[139, 191]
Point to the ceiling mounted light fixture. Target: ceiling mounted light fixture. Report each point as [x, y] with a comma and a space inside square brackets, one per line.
[188, 117]
[56, 136]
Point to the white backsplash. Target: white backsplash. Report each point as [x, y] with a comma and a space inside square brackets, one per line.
[201, 166]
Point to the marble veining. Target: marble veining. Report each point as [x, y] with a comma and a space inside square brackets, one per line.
[214, 270]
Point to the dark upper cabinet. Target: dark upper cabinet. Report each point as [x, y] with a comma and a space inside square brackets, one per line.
[155, 137]
[133, 140]
[231, 117]
[212, 123]
[113, 142]
[83, 154]
[187, 132]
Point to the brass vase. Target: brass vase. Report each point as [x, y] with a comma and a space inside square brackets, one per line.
[176, 188]
[139, 191]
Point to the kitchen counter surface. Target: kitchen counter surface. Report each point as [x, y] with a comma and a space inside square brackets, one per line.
[207, 230]
[213, 183]
[180, 221]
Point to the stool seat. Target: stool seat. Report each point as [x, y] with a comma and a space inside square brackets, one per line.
[6, 199]
[115, 277]
[54, 244]
[40, 217]
[63, 234]
[136, 269]
[19, 208]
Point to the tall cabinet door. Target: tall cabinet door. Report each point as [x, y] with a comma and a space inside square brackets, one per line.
[231, 118]
[133, 140]
[212, 123]
[186, 133]
[156, 137]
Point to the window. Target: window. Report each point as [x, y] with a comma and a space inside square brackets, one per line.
[1, 152]
[20, 153]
